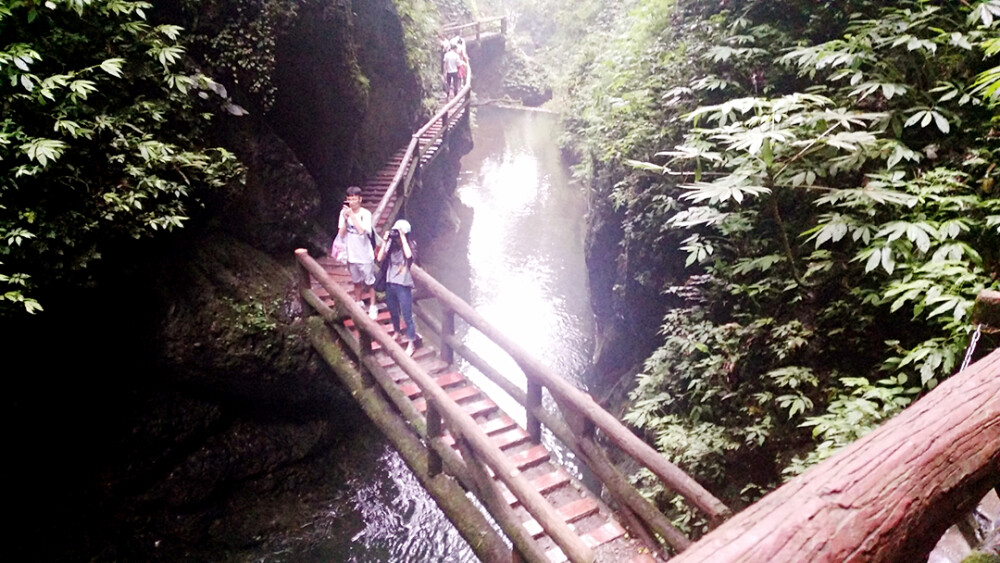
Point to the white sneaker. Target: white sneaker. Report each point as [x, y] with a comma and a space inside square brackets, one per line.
[373, 311]
[410, 349]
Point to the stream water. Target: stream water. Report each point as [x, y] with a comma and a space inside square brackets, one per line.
[517, 258]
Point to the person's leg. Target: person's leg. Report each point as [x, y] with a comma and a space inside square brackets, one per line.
[392, 302]
[369, 287]
[406, 311]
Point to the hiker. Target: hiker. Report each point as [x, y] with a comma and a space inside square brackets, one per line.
[399, 250]
[445, 45]
[459, 44]
[463, 68]
[451, 62]
[355, 228]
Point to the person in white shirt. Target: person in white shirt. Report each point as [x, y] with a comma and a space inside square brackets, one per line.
[355, 228]
[451, 61]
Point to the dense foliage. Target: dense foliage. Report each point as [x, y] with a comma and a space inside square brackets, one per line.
[829, 170]
[99, 137]
[239, 40]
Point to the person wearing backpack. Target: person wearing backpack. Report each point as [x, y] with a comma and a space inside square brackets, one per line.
[355, 229]
[400, 252]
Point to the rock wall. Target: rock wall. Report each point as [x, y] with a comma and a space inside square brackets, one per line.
[181, 387]
[346, 99]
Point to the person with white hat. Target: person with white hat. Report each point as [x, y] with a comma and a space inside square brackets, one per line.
[399, 283]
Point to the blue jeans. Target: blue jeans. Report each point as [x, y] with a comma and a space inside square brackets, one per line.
[399, 300]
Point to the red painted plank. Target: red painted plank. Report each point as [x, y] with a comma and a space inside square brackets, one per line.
[510, 438]
[498, 424]
[544, 484]
[479, 407]
[603, 534]
[571, 513]
[530, 457]
[463, 393]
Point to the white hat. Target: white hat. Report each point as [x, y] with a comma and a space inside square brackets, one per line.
[403, 226]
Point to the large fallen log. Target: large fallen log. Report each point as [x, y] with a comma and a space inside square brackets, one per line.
[887, 497]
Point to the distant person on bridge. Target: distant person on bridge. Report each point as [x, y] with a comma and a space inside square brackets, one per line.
[355, 229]
[399, 283]
[463, 68]
[451, 61]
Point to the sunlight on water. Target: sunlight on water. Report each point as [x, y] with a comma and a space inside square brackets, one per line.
[519, 256]
[525, 246]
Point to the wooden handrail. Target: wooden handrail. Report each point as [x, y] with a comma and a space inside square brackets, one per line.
[584, 447]
[460, 27]
[411, 157]
[459, 422]
[582, 403]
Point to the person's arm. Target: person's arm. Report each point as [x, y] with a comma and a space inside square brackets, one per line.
[406, 245]
[384, 247]
[362, 225]
[342, 223]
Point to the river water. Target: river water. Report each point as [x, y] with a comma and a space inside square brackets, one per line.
[518, 258]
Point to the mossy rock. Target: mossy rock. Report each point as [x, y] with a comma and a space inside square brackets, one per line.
[981, 557]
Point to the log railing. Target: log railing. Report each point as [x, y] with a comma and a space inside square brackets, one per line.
[581, 416]
[478, 451]
[409, 169]
[478, 28]
[887, 497]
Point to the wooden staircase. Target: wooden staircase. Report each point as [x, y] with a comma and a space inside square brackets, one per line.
[587, 514]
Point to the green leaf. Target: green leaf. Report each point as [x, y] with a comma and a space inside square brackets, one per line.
[44, 150]
[113, 66]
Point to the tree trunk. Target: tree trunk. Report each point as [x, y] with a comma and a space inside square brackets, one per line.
[887, 497]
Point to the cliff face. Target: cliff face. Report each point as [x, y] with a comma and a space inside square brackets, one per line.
[346, 98]
[181, 382]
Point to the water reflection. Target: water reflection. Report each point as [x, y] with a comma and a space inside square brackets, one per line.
[401, 521]
[519, 256]
[521, 244]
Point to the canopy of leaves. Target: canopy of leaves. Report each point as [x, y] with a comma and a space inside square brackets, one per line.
[830, 171]
[99, 137]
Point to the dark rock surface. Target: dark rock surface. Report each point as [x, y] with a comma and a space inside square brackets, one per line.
[175, 412]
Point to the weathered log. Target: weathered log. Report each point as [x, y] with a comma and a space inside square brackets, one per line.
[887, 497]
[986, 311]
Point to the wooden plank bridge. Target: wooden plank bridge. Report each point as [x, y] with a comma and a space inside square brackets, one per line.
[456, 439]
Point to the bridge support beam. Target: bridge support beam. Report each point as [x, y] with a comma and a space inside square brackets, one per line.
[447, 333]
[434, 430]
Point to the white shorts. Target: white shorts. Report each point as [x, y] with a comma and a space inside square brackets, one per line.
[362, 273]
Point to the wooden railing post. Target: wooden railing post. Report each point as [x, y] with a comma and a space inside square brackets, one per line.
[447, 329]
[433, 431]
[477, 31]
[304, 282]
[503, 26]
[415, 177]
[365, 343]
[534, 400]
